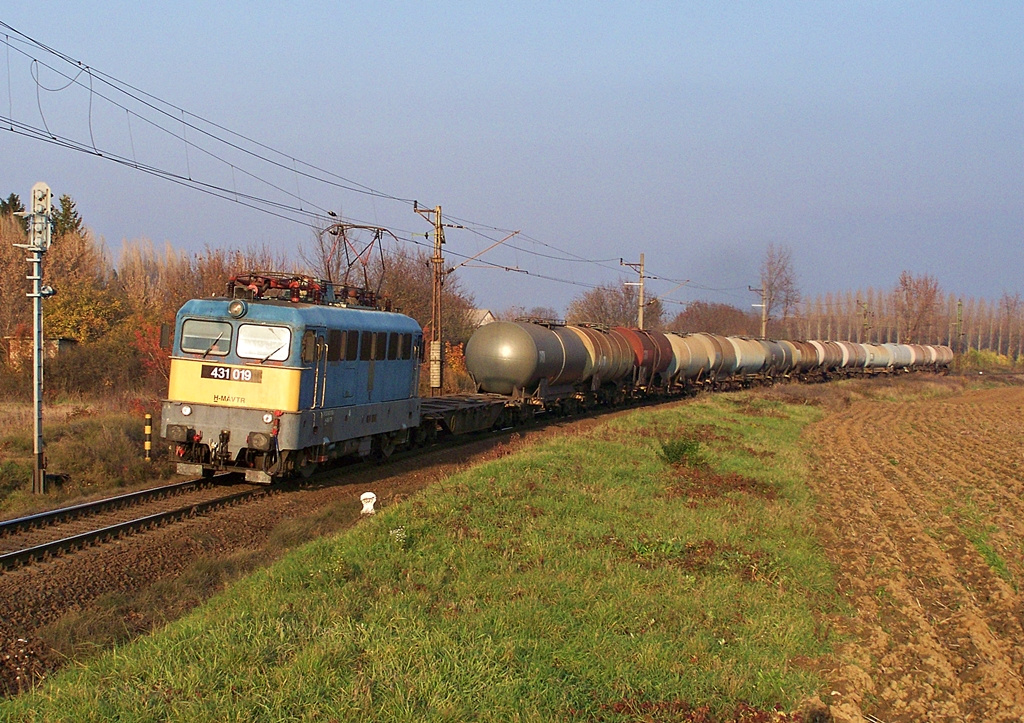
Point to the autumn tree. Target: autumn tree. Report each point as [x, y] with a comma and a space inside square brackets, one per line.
[86, 305]
[406, 277]
[151, 281]
[715, 318]
[916, 301]
[614, 304]
[780, 294]
[15, 306]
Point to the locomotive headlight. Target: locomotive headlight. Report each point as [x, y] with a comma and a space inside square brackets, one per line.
[186, 410]
[237, 308]
[268, 418]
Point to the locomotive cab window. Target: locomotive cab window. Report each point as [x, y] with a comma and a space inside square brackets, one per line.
[405, 347]
[366, 347]
[206, 337]
[380, 345]
[308, 351]
[265, 343]
[394, 340]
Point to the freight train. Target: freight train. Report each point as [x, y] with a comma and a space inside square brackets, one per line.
[285, 373]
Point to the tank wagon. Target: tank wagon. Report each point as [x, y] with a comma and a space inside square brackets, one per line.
[526, 361]
[283, 373]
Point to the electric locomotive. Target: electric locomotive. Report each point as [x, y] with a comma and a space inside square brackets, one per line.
[286, 372]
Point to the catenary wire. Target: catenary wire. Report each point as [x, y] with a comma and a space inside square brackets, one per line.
[247, 200]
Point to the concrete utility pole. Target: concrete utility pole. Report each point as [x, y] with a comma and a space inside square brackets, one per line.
[639, 268]
[960, 328]
[437, 261]
[39, 238]
[866, 322]
[764, 310]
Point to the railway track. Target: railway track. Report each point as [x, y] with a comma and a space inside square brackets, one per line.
[40, 536]
[37, 537]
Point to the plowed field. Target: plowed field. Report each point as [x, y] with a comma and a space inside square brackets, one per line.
[922, 512]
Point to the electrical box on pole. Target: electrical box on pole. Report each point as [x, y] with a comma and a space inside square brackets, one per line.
[40, 225]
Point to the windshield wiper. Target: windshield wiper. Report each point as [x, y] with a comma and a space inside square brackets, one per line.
[210, 348]
[272, 353]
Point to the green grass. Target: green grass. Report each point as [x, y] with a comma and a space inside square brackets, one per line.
[682, 450]
[975, 526]
[576, 580]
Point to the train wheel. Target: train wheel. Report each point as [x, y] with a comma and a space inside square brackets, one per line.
[305, 465]
[383, 448]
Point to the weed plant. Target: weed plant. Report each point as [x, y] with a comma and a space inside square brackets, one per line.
[682, 450]
[570, 581]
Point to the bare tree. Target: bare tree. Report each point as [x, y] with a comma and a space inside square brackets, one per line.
[1009, 311]
[778, 283]
[615, 304]
[326, 254]
[916, 302]
[406, 277]
[517, 311]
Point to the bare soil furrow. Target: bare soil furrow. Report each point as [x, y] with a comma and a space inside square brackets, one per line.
[937, 632]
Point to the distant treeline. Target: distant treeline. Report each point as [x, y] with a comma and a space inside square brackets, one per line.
[114, 309]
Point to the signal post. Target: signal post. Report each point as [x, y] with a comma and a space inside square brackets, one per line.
[40, 224]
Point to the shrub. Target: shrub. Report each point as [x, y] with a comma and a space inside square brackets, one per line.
[95, 368]
[985, 360]
[683, 451]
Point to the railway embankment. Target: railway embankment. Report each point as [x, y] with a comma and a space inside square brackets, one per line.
[707, 560]
[657, 563]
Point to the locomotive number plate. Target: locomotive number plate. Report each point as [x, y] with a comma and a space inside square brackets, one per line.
[229, 374]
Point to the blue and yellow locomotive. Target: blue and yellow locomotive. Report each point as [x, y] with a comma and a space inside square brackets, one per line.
[283, 373]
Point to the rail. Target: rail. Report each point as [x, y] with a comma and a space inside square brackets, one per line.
[15, 558]
[63, 514]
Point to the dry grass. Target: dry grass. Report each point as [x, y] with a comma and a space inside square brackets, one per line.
[91, 448]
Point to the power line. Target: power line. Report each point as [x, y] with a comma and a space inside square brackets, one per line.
[296, 208]
[141, 96]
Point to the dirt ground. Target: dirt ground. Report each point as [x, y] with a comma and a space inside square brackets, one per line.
[922, 512]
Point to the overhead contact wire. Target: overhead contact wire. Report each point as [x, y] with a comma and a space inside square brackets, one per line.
[248, 200]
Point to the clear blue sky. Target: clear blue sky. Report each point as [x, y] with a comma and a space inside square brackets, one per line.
[869, 137]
